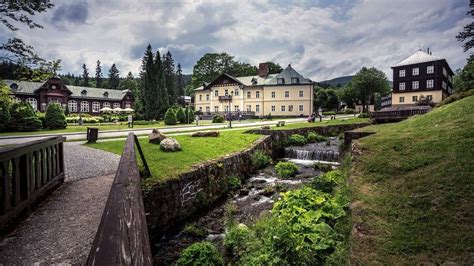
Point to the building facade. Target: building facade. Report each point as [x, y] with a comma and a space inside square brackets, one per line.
[421, 75]
[285, 94]
[77, 99]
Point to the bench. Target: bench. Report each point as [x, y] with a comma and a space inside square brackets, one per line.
[281, 123]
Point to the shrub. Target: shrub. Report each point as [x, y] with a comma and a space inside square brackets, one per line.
[201, 253]
[296, 140]
[315, 137]
[218, 119]
[194, 230]
[189, 115]
[4, 116]
[233, 183]
[55, 118]
[327, 181]
[456, 97]
[260, 159]
[41, 117]
[286, 169]
[322, 167]
[235, 241]
[181, 116]
[365, 115]
[349, 111]
[23, 117]
[329, 113]
[170, 117]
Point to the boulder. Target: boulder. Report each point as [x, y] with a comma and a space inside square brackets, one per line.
[170, 144]
[205, 134]
[156, 136]
[266, 127]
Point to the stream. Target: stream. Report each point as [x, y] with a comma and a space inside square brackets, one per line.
[253, 199]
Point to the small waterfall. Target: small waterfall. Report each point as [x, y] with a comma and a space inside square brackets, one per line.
[315, 151]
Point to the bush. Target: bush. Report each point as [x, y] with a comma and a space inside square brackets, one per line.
[233, 183]
[170, 117]
[315, 137]
[349, 111]
[4, 116]
[322, 167]
[190, 115]
[365, 115]
[181, 116]
[55, 118]
[235, 240]
[260, 159]
[329, 113]
[327, 181]
[194, 230]
[286, 169]
[218, 119]
[296, 140]
[23, 117]
[456, 97]
[201, 253]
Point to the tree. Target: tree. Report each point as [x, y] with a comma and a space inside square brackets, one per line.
[150, 90]
[464, 79]
[367, 82]
[5, 96]
[5, 102]
[333, 100]
[170, 117]
[179, 81]
[114, 77]
[55, 118]
[129, 83]
[321, 98]
[85, 76]
[24, 118]
[181, 116]
[159, 75]
[274, 68]
[98, 75]
[170, 78]
[467, 35]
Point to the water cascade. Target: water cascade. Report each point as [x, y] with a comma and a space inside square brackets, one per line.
[321, 152]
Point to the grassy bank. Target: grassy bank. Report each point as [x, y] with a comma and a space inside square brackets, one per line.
[354, 120]
[194, 150]
[412, 188]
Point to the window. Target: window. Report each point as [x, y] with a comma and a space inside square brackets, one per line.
[273, 108]
[200, 97]
[200, 108]
[207, 97]
[95, 107]
[401, 73]
[33, 103]
[444, 85]
[236, 92]
[445, 73]
[430, 83]
[216, 93]
[85, 106]
[416, 71]
[401, 86]
[429, 69]
[16, 99]
[226, 92]
[236, 108]
[208, 109]
[83, 93]
[414, 99]
[300, 108]
[282, 108]
[402, 99]
[116, 105]
[450, 78]
[216, 109]
[273, 94]
[301, 94]
[290, 108]
[415, 85]
[295, 80]
[226, 109]
[287, 94]
[249, 108]
[429, 97]
[106, 104]
[257, 94]
[127, 105]
[280, 81]
[72, 106]
[106, 94]
[257, 108]
[249, 94]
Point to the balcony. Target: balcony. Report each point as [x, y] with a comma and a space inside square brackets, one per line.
[226, 98]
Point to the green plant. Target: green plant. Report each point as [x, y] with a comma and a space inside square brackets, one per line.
[327, 181]
[296, 140]
[170, 117]
[365, 115]
[314, 137]
[4, 116]
[218, 119]
[181, 116]
[23, 117]
[329, 113]
[456, 97]
[194, 230]
[286, 169]
[230, 210]
[322, 167]
[201, 253]
[235, 241]
[260, 159]
[55, 118]
[233, 183]
[189, 115]
[349, 111]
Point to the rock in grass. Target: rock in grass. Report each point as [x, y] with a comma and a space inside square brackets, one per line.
[205, 134]
[265, 127]
[170, 144]
[156, 136]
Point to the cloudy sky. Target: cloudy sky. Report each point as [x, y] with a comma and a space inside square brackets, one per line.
[322, 39]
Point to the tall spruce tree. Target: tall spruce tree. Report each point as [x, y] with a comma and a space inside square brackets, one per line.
[179, 81]
[170, 78]
[149, 86]
[85, 76]
[161, 84]
[114, 77]
[98, 75]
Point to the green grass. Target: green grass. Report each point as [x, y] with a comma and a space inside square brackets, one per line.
[165, 165]
[323, 123]
[412, 189]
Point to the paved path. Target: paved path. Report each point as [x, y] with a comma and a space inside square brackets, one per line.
[62, 228]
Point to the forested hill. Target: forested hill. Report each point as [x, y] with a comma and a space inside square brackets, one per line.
[336, 82]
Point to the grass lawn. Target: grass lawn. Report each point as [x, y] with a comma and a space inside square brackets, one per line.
[413, 190]
[194, 150]
[354, 120]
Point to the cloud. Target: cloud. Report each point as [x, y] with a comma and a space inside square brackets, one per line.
[322, 39]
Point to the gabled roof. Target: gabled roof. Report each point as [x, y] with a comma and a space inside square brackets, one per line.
[287, 74]
[221, 76]
[418, 57]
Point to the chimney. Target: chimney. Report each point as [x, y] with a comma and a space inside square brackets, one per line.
[263, 70]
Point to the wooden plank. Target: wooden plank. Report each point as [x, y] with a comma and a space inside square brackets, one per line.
[16, 181]
[53, 160]
[37, 170]
[5, 203]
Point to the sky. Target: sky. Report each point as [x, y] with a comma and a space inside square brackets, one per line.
[322, 39]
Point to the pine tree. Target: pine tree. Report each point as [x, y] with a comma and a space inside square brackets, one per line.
[179, 82]
[98, 75]
[170, 77]
[149, 86]
[161, 84]
[85, 76]
[114, 77]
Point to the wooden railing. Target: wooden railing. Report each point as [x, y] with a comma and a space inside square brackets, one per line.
[28, 171]
[122, 237]
[398, 114]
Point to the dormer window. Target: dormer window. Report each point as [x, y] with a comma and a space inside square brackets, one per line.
[254, 81]
[84, 93]
[106, 94]
[14, 86]
[295, 80]
[53, 87]
[280, 81]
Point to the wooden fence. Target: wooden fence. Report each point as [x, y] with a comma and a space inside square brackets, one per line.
[28, 171]
[122, 237]
[398, 115]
